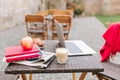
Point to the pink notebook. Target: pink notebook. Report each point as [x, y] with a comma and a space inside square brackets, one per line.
[22, 57]
[18, 50]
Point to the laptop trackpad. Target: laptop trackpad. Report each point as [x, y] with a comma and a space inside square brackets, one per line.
[73, 48]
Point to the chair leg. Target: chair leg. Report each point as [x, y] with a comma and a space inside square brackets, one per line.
[104, 78]
[99, 77]
[18, 77]
[74, 76]
[82, 76]
[23, 76]
[30, 77]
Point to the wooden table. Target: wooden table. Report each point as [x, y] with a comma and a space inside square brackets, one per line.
[74, 64]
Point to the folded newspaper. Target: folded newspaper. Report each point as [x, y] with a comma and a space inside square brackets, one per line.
[42, 62]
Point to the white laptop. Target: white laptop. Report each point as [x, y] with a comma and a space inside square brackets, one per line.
[75, 47]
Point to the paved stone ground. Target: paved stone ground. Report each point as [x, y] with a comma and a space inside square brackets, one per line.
[88, 29]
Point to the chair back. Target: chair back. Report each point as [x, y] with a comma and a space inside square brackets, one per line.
[63, 12]
[34, 18]
[36, 27]
[43, 13]
[65, 20]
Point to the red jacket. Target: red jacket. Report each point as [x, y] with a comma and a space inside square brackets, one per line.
[112, 44]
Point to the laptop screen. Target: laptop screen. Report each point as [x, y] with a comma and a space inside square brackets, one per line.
[60, 33]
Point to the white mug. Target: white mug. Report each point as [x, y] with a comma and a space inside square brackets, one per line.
[61, 55]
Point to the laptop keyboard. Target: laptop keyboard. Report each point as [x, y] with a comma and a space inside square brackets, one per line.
[72, 47]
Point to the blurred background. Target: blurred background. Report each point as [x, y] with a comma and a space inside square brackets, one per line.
[12, 12]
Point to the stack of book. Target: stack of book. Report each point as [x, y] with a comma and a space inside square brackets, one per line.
[42, 62]
[16, 53]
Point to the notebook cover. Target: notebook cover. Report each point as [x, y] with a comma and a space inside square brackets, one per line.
[22, 57]
[18, 50]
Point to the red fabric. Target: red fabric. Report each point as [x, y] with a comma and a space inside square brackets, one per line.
[112, 44]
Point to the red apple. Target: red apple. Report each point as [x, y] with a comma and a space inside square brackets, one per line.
[27, 43]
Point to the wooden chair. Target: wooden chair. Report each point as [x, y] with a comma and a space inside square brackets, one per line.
[65, 20]
[60, 12]
[70, 12]
[64, 12]
[51, 11]
[110, 50]
[111, 71]
[43, 13]
[36, 26]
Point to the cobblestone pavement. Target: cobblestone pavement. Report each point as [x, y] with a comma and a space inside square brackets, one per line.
[88, 29]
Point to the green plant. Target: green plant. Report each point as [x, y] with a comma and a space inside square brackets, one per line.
[78, 9]
[106, 20]
[77, 12]
[77, 5]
